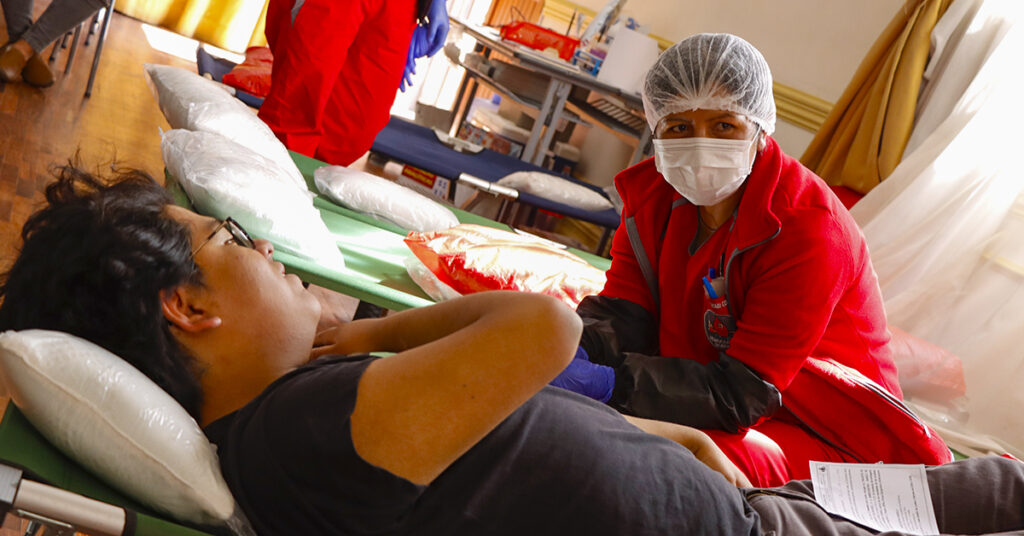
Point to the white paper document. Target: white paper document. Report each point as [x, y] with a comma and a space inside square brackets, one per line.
[883, 497]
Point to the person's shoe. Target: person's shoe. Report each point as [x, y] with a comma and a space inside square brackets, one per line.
[36, 72]
[11, 63]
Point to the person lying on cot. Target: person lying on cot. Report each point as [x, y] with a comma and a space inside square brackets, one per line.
[738, 280]
[455, 433]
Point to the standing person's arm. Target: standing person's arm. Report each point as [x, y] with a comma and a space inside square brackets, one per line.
[462, 367]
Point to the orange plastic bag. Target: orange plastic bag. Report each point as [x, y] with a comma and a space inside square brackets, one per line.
[472, 258]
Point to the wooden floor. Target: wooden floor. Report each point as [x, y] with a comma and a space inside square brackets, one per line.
[39, 128]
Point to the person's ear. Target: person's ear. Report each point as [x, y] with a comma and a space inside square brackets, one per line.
[762, 140]
[183, 313]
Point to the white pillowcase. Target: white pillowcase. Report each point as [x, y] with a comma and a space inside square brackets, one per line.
[382, 199]
[556, 189]
[113, 420]
[192, 102]
[224, 179]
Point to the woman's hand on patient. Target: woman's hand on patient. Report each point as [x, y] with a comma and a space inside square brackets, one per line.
[697, 442]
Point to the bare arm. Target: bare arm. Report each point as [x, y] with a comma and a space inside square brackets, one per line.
[461, 368]
[696, 442]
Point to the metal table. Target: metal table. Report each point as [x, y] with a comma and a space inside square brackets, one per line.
[563, 79]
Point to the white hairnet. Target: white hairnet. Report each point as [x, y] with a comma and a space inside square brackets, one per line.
[710, 72]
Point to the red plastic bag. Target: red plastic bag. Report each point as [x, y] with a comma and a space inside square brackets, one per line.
[253, 75]
[471, 258]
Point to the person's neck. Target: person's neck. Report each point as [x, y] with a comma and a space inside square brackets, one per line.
[227, 386]
[713, 216]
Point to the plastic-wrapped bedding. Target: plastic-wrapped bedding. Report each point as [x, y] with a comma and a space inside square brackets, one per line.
[382, 199]
[472, 258]
[113, 420]
[556, 189]
[224, 179]
[192, 102]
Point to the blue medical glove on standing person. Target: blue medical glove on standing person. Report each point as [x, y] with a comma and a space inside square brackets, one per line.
[427, 39]
[586, 378]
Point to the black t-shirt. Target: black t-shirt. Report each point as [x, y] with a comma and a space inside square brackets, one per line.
[560, 464]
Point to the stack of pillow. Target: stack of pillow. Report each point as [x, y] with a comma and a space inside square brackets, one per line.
[230, 164]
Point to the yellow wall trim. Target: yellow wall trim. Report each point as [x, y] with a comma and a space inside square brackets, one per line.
[801, 109]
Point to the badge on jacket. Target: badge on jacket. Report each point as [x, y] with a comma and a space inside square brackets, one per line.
[719, 325]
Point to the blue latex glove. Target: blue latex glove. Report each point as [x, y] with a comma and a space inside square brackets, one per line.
[427, 39]
[410, 66]
[586, 378]
[436, 29]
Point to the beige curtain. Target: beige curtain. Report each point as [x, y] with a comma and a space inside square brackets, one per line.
[230, 24]
[863, 137]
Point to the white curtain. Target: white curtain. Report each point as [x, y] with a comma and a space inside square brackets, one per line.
[946, 229]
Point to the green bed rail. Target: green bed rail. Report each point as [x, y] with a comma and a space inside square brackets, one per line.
[23, 445]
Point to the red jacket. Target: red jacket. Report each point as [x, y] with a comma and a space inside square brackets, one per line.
[803, 311]
[799, 278]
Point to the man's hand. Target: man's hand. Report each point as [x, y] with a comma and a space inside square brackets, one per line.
[697, 442]
[355, 337]
[335, 308]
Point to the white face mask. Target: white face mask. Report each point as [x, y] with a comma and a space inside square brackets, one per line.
[704, 170]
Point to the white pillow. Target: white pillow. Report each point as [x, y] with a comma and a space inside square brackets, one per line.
[382, 199]
[111, 419]
[223, 179]
[192, 102]
[556, 189]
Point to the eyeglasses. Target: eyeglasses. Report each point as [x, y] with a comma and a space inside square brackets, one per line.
[238, 234]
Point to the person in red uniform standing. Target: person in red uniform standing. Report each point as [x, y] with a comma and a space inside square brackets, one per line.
[741, 298]
[337, 65]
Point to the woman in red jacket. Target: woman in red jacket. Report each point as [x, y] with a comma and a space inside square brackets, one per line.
[741, 298]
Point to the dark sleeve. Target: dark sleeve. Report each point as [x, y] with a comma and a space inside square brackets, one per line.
[612, 326]
[723, 395]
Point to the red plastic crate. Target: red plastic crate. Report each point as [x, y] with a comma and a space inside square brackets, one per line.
[540, 38]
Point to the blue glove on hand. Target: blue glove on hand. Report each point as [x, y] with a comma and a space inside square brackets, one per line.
[410, 64]
[436, 29]
[426, 40]
[586, 378]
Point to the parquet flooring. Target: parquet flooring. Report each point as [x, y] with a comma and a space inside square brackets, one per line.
[119, 123]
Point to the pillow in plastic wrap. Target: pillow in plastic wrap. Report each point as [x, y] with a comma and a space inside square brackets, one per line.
[192, 102]
[556, 189]
[382, 199]
[113, 420]
[224, 179]
[473, 258]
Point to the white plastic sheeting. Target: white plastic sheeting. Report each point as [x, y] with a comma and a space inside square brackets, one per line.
[946, 229]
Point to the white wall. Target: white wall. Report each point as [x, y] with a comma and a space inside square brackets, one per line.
[811, 45]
